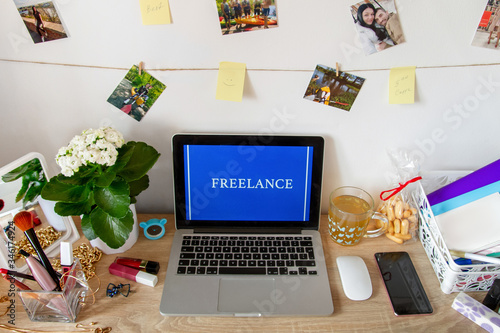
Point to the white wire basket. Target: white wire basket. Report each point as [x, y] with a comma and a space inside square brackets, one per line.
[452, 277]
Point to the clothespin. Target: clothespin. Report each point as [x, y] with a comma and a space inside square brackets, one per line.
[140, 68]
[337, 67]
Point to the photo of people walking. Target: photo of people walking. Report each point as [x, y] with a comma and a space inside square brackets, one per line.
[378, 25]
[42, 21]
[237, 16]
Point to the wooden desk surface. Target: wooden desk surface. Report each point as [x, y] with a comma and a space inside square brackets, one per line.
[140, 311]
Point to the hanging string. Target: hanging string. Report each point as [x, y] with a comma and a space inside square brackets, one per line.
[398, 189]
[248, 69]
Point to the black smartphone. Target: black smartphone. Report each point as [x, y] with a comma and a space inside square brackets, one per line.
[402, 283]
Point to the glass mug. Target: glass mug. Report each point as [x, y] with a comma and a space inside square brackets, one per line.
[350, 211]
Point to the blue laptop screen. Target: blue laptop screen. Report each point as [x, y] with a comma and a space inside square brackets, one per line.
[245, 182]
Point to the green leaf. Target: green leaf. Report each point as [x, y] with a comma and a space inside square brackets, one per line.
[29, 166]
[111, 230]
[22, 191]
[31, 176]
[125, 153]
[139, 185]
[114, 199]
[87, 229]
[74, 209]
[34, 190]
[57, 191]
[143, 159]
[29, 173]
[26, 180]
[105, 179]
[84, 175]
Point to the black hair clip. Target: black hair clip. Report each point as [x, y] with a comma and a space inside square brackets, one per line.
[123, 289]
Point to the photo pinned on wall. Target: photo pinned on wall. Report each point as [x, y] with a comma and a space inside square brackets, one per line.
[327, 88]
[42, 20]
[488, 31]
[237, 16]
[136, 94]
[378, 26]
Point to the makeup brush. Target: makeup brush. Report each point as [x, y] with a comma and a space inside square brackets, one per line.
[24, 221]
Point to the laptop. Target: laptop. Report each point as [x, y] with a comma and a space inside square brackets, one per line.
[247, 211]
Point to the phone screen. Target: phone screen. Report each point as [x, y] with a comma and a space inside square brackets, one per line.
[405, 290]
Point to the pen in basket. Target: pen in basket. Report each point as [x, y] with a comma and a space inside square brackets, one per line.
[473, 256]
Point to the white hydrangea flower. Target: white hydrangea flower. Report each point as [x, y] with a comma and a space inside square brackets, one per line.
[69, 164]
[86, 156]
[102, 159]
[99, 132]
[113, 136]
[94, 154]
[61, 161]
[78, 143]
[112, 160]
[62, 151]
[74, 162]
[91, 138]
[91, 147]
[68, 172]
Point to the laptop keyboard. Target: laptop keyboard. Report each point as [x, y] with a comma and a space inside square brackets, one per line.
[261, 255]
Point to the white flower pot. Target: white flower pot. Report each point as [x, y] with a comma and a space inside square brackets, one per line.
[132, 238]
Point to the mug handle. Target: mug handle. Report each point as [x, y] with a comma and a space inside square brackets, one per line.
[381, 231]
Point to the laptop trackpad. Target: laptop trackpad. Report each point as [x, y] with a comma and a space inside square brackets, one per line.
[244, 296]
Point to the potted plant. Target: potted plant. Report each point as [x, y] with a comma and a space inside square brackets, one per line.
[100, 178]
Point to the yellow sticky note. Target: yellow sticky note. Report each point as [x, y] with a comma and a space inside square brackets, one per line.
[155, 12]
[402, 85]
[230, 81]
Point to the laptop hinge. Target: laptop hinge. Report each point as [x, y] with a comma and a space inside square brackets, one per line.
[249, 230]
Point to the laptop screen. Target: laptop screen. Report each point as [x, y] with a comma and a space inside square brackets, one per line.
[242, 181]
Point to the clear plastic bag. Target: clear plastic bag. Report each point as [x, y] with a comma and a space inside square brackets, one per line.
[396, 203]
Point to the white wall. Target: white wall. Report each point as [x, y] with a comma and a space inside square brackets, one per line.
[50, 92]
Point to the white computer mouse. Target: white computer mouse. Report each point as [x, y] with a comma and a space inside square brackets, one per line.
[355, 277]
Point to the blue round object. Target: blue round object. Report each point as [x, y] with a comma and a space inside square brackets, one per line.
[154, 228]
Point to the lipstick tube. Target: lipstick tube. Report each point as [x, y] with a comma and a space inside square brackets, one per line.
[144, 265]
[66, 253]
[133, 274]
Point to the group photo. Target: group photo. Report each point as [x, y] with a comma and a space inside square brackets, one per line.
[246, 15]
